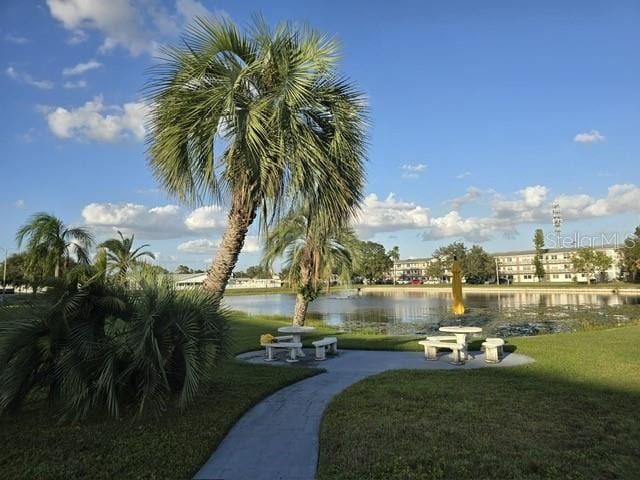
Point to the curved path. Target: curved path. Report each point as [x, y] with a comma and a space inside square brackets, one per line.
[278, 438]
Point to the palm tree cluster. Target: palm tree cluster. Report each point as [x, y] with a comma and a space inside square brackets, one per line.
[261, 120]
[50, 244]
[95, 346]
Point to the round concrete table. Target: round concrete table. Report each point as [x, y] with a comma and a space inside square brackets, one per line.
[296, 332]
[461, 336]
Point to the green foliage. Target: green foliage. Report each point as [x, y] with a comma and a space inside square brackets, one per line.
[120, 255]
[476, 264]
[95, 346]
[538, 243]
[184, 269]
[258, 271]
[312, 250]
[372, 261]
[630, 256]
[289, 124]
[590, 261]
[50, 243]
[17, 270]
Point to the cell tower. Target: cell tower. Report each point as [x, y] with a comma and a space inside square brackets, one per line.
[556, 217]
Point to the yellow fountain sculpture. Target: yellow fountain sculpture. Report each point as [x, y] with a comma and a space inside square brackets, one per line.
[458, 304]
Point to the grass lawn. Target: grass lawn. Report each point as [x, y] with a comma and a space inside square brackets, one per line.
[172, 447]
[569, 415]
[572, 414]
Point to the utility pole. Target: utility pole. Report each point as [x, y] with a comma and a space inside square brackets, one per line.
[497, 273]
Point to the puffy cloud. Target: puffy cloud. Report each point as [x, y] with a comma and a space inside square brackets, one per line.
[191, 8]
[525, 208]
[28, 79]
[621, 198]
[251, 244]
[81, 68]
[389, 215]
[206, 246]
[594, 136]
[207, 218]
[93, 121]
[117, 20]
[158, 222]
[136, 25]
[472, 229]
[201, 245]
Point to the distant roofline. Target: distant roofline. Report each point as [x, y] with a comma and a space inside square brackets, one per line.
[554, 250]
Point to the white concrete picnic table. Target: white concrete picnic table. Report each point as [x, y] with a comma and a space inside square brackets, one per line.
[296, 332]
[461, 333]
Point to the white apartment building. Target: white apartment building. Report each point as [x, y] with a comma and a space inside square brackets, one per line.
[517, 266]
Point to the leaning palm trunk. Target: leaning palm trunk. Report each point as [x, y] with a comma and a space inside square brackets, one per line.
[300, 310]
[239, 220]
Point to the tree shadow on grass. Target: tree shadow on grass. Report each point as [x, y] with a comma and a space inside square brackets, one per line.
[490, 423]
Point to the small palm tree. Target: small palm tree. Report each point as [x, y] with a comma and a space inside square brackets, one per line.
[313, 249]
[50, 242]
[119, 255]
[289, 127]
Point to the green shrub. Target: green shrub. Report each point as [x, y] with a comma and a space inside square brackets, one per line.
[96, 346]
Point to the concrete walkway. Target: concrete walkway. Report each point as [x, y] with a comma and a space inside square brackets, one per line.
[278, 438]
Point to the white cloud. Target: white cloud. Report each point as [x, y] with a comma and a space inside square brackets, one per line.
[251, 244]
[389, 215]
[201, 245]
[207, 218]
[412, 172]
[28, 79]
[191, 8]
[159, 222]
[77, 84]
[463, 175]
[594, 136]
[136, 25]
[20, 203]
[81, 68]
[472, 195]
[17, 39]
[207, 246]
[117, 20]
[418, 167]
[92, 121]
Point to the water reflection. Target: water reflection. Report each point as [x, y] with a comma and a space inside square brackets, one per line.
[396, 312]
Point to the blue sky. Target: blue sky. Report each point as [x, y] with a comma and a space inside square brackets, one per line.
[483, 114]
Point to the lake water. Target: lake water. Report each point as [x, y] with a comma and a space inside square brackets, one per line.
[399, 313]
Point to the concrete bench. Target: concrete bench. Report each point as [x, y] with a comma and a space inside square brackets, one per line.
[283, 342]
[493, 349]
[442, 338]
[431, 350]
[327, 343]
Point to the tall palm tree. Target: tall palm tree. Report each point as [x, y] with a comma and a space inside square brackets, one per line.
[261, 122]
[120, 255]
[50, 242]
[313, 250]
